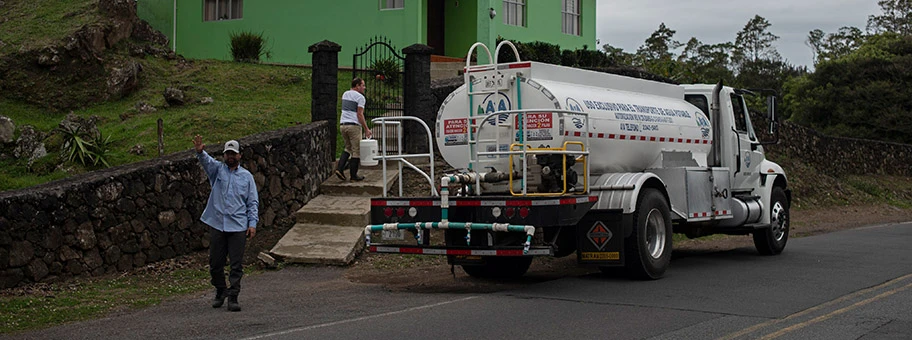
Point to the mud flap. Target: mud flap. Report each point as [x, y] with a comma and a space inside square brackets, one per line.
[600, 238]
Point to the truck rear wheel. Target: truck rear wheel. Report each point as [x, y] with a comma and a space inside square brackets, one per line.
[648, 248]
[500, 267]
[772, 240]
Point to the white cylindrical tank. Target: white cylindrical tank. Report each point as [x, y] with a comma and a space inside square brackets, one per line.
[628, 131]
[368, 152]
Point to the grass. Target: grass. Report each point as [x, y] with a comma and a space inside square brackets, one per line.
[86, 299]
[248, 99]
[27, 22]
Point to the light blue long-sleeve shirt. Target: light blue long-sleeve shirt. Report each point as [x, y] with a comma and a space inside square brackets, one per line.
[233, 203]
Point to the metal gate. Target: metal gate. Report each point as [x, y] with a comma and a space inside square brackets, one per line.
[383, 72]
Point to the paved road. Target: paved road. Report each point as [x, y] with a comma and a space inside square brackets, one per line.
[854, 284]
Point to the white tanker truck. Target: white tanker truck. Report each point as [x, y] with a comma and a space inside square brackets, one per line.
[554, 161]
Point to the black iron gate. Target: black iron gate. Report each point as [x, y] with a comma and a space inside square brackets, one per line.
[383, 72]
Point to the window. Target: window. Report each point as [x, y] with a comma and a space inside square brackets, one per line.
[570, 17]
[222, 9]
[514, 12]
[392, 4]
[699, 101]
[741, 117]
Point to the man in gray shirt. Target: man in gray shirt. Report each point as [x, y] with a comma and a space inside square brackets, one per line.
[351, 124]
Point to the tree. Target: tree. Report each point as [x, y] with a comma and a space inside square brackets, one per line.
[705, 63]
[617, 56]
[834, 45]
[655, 55]
[659, 45]
[896, 17]
[865, 94]
[754, 42]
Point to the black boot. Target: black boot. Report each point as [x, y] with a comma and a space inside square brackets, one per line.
[219, 298]
[355, 162]
[233, 304]
[340, 167]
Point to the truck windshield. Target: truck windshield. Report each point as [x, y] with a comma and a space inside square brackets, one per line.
[742, 119]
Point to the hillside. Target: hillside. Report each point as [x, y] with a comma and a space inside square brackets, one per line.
[245, 98]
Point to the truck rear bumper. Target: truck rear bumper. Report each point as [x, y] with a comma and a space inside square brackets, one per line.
[458, 251]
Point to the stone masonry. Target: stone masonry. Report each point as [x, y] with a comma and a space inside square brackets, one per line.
[127, 216]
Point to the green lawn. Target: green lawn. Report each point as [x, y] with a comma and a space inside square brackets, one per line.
[248, 99]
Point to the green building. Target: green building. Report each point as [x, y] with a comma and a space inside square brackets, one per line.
[200, 28]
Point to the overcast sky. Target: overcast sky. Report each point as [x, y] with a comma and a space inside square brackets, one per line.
[627, 24]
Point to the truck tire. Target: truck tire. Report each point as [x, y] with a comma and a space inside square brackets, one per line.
[771, 241]
[500, 267]
[648, 248]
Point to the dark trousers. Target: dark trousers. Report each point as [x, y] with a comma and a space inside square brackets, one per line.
[231, 245]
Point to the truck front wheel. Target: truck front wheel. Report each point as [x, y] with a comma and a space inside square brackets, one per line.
[649, 246]
[771, 241]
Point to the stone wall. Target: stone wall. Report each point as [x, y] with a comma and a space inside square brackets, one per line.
[125, 217]
[837, 156]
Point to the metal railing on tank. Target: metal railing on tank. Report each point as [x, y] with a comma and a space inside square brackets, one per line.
[383, 155]
[523, 151]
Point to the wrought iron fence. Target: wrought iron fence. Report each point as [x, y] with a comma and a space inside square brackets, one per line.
[382, 69]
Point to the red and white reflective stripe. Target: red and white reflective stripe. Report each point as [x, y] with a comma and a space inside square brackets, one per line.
[639, 138]
[707, 214]
[485, 203]
[514, 65]
[415, 203]
[465, 252]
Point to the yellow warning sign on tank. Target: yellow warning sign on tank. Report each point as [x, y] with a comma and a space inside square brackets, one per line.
[612, 255]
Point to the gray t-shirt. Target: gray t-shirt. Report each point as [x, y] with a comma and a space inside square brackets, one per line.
[351, 101]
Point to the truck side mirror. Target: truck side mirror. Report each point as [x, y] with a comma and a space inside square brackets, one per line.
[773, 121]
[771, 108]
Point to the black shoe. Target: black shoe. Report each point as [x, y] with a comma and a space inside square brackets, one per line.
[233, 304]
[219, 299]
[353, 166]
[341, 165]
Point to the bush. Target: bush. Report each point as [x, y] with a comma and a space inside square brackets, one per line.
[387, 71]
[86, 150]
[248, 47]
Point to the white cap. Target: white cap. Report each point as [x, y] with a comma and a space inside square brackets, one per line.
[232, 145]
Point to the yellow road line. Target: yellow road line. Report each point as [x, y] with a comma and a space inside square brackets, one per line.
[759, 326]
[834, 313]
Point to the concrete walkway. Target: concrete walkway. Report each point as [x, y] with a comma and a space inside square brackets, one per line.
[329, 229]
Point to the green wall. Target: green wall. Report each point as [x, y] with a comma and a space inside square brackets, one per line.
[159, 14]
[460, 28]
[291, 26]
[544, 24]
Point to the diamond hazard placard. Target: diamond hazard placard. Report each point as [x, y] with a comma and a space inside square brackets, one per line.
[599, 235]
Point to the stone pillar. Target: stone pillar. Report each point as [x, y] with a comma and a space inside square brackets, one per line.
[324, 86]
[419, 100]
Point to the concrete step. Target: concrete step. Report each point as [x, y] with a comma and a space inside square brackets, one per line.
[371, 186]
[320, 244]
[336, 210]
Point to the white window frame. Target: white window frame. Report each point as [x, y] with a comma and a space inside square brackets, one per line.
[514, 12]
[216, 10]
[570, 17]
[390, 5]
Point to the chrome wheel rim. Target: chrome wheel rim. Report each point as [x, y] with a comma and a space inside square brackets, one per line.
[780, 220]
[655, 233]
